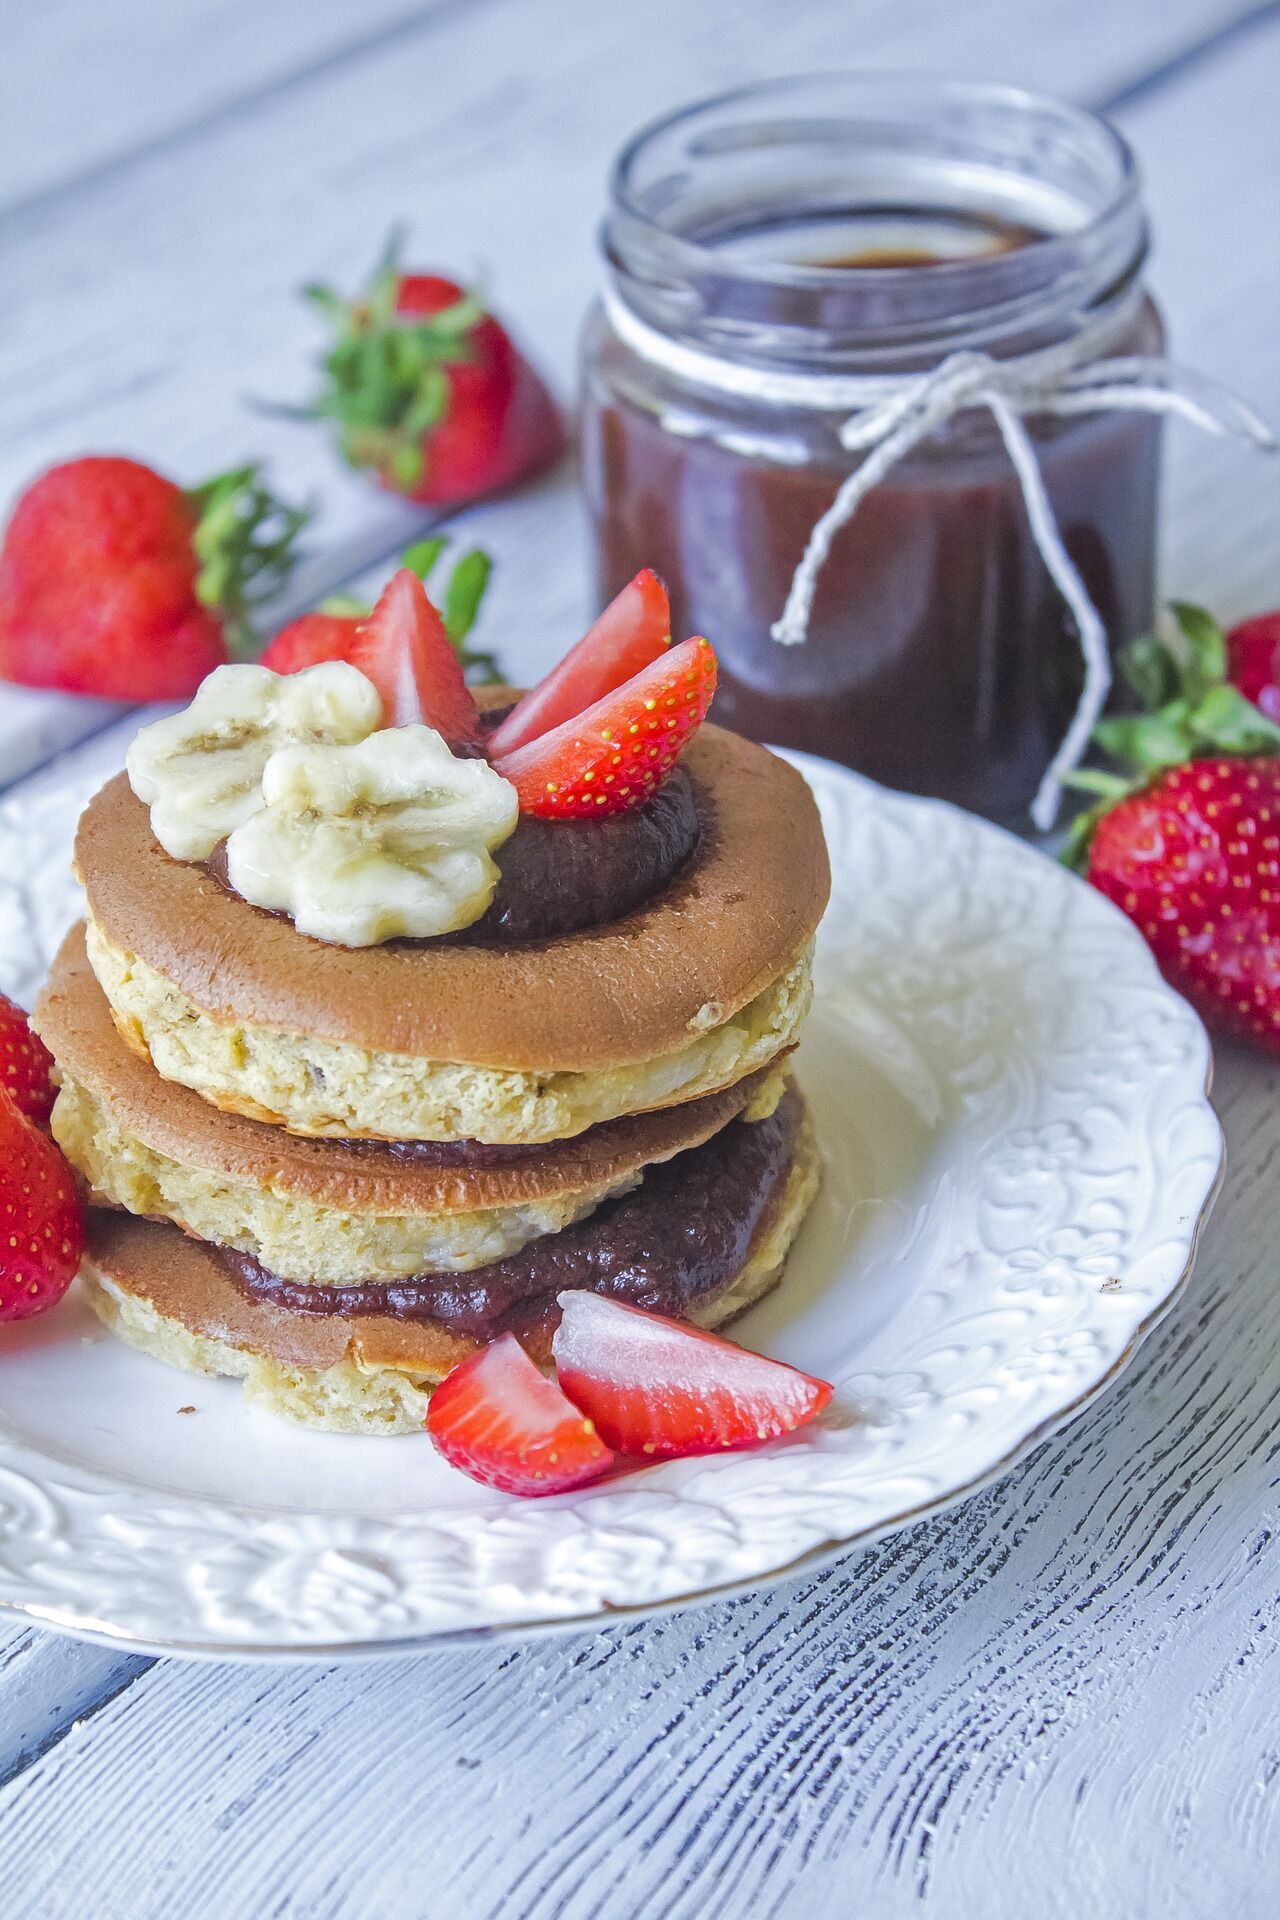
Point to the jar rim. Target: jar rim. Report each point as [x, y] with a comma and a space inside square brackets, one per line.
[656, 266]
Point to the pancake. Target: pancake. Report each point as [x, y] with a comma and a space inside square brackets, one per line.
[176, 1299]
[320, 1211]
[700, 986]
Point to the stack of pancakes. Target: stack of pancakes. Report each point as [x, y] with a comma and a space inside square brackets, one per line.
[332, 1172]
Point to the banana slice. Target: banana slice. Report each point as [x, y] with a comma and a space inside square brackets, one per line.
[200, 771]
[360, 844]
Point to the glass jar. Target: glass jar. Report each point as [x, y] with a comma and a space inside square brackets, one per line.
[871, 224]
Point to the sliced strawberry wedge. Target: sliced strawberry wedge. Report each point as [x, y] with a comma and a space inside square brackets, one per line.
[633, 631]
[617, 753]
[654, 1386]
[497, 1418]
[404, 649]
[309, 640]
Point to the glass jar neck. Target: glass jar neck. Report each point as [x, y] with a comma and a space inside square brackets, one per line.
[866, 223]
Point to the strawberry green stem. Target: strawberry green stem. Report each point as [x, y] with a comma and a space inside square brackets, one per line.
[245, 544]
[1191, 711]
[388, 383]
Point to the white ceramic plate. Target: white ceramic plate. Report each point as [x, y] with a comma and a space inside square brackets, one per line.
[1020, 1152]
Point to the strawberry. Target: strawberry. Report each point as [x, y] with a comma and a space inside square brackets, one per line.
[1253, 661]
[25, 1064]
[114, 581]
[41, 1230]
[312, 638]
[1193, 859]
[329, 632]
[658, 1386]
[1189, 847]
[618, 752]
[506, 1424]
[633, 631]
[404, 649]
[429, 392]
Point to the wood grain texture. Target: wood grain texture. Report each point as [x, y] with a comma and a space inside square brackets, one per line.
[49, 1685]
[1058, 1700]
[120, 82]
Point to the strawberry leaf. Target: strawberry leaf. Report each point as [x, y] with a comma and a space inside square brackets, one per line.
[1206, 646]
[1193, 708]
[331, 304]
[405, 466]
[423, 554]
[428, 403]
[388, 382]
[1150, 741]
[1226, 722]
[1194, 712]
[460, 605]
[464, 593]
[1151, 670]
[245, 543]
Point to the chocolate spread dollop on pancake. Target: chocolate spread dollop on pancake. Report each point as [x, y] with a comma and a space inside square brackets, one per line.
[673, 1242]
[563, 876]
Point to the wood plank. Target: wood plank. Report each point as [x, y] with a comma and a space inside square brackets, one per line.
[35, 725]
[130, 78]
[48, 1686]
[122, 333]
[145, 73]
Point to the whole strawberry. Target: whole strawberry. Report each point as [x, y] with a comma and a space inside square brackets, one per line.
[41, 1229]
[115, 581]
[1189, 849]
[1194, 860]
[1253, 661]
[25, 1064]
[429, 392]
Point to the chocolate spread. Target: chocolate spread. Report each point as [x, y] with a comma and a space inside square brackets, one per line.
[671, 1245]
[559, 876]
[562, 876]
[940, 658]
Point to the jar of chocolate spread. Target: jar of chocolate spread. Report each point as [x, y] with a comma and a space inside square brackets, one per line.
[763, 248]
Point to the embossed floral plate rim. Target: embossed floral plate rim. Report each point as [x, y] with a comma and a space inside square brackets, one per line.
[93, 1540]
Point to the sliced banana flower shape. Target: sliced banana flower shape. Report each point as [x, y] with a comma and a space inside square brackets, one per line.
[200, 771]
[360, 844]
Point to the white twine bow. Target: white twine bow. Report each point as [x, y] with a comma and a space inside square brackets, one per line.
[891, 414]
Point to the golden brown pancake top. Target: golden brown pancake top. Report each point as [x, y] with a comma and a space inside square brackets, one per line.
[739, 913]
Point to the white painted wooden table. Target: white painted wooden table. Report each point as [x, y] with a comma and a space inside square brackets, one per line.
[1059, 1699]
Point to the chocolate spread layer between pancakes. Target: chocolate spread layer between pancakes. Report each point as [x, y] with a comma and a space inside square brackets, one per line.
[670, 1245]
[740, 911]
[188, 1281]
[559, 876]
